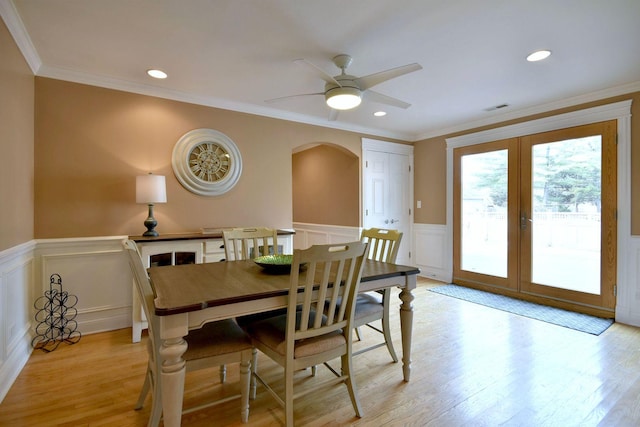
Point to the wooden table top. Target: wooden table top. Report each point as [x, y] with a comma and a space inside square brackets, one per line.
[192, 287]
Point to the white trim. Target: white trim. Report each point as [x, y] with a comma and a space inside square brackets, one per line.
[620, 111]
[387, 147]
[16, 27]
[536, 109]
[575, 118]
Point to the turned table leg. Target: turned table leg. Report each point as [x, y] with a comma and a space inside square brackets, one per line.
[406, 325]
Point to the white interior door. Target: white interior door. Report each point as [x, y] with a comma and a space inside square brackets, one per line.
[388, 190]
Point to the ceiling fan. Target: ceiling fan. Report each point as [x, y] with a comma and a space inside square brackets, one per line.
[344, 91]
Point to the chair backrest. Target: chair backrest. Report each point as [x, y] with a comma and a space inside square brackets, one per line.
[330, 274]
[248, 243]
[145, 293]
[383, 243]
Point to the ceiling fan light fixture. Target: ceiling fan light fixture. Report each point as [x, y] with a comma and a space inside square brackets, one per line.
[343, 98]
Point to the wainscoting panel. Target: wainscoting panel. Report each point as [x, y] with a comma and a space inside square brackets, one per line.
[431, 254]
[96, 271]
[319, 234]
[16, 279]
[628, 298]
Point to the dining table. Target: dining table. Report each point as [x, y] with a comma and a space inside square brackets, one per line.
[188, 296]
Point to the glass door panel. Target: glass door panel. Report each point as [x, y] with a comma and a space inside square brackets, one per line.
[484, 225]
[565, 225]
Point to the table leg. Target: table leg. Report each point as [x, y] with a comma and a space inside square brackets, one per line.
[406, 325]
[172, 379]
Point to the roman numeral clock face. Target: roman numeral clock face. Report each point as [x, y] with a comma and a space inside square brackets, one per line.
[209, 162]
[206, 162]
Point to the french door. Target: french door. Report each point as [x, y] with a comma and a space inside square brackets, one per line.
[536, 216]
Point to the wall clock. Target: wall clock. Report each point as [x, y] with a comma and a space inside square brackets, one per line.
[206, 162]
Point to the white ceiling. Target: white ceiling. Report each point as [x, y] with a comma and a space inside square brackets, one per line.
[235, 54]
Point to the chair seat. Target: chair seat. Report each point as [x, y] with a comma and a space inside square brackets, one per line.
[245, 321]
[271, 333]
[216, 338]
[367, 304]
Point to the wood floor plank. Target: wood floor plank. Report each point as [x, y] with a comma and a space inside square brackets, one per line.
[472, 366]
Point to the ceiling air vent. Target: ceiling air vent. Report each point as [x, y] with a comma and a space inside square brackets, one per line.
[497, 107]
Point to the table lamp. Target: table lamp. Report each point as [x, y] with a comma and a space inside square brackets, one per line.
[151, 189]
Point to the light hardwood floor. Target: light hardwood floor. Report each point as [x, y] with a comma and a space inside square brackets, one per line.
[472, 366]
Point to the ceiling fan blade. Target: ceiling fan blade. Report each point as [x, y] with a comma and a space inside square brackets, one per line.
[333, 114]
[384, 99]
[319, 72]
[282, 98]
[371, 80]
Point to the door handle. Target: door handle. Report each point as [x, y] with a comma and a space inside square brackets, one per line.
[523, 221]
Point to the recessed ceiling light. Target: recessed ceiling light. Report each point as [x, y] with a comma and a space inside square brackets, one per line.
[538, 55]
[380, 113]
[157, 74]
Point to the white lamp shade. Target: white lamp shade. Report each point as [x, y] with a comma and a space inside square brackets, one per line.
[151, 189]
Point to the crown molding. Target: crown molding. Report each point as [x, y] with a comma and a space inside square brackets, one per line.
[537, 109]
[150, 90]
[15, 25]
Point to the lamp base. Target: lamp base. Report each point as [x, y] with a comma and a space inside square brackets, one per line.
[150, 233]
[150, 223]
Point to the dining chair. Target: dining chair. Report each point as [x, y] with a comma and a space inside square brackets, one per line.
[216, 343]
[373, 306]
[250, 242]
[303, 337]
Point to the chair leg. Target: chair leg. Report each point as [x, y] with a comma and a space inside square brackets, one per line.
[223, 373]
[288, 395]
[386, 330]
[358, 333]
[347, 369]
[245, 376]
[156, 407]
[254, 369]
[144, 391]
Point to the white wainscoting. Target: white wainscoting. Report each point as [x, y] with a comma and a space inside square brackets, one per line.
[431, 255]
[628, 298]
[95, 270]
[319, 234]
[16, 299]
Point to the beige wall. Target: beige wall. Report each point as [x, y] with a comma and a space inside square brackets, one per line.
[430, 165]
[326, 186]
[16, 144]
[91, 142]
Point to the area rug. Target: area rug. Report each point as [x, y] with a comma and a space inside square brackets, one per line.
[568, 319]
